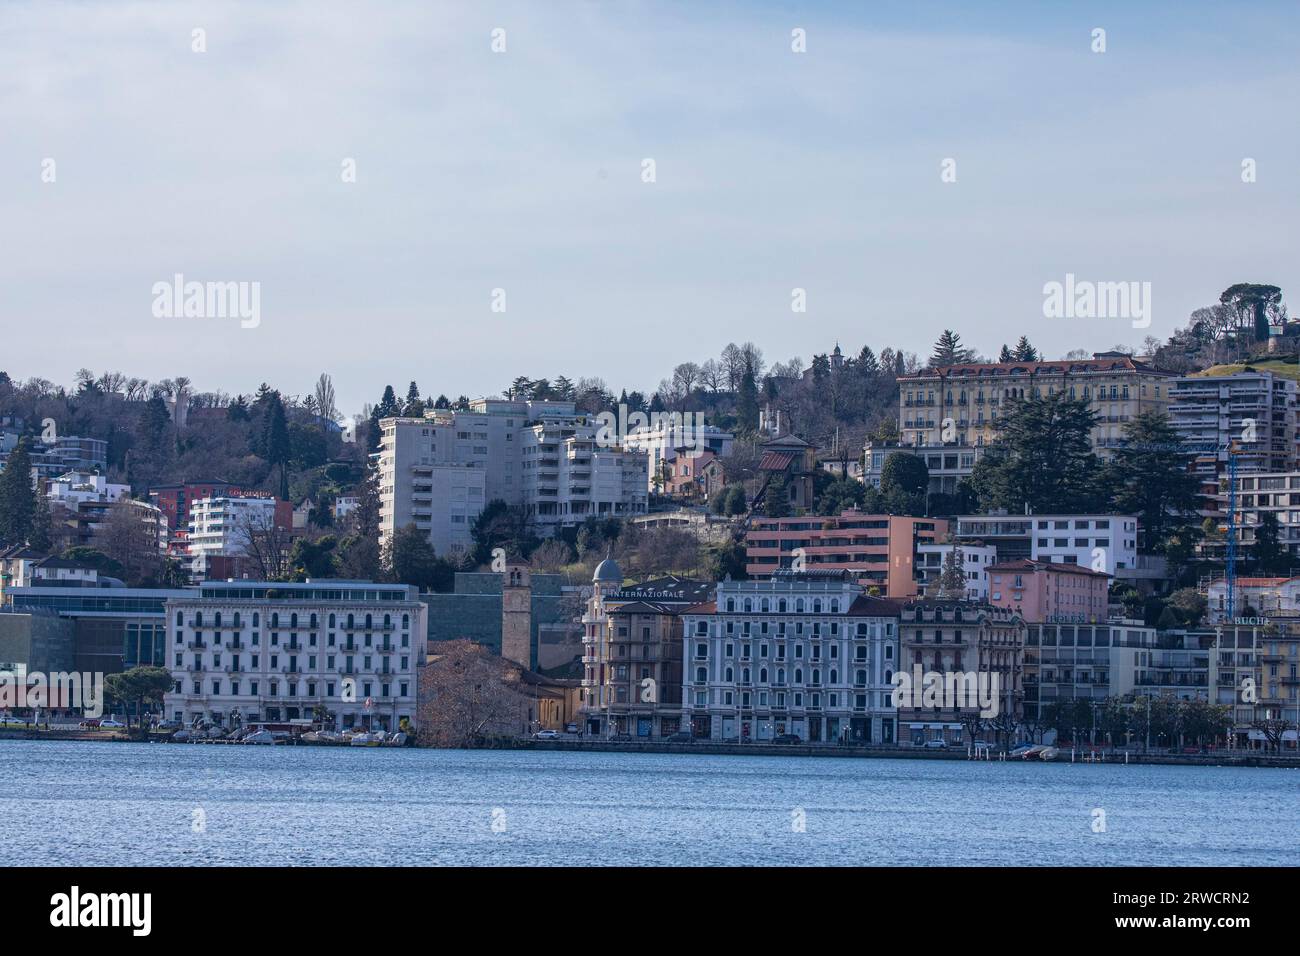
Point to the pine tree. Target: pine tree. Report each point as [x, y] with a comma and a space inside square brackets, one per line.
[747, 400]
[1025, 352]
[1005, 355]
[276, 441]
[952, 580]
[41, 536]
[867, 361]
[17, 498]
[948, 350]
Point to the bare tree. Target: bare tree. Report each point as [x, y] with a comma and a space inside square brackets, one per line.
[1273, 729]
[264, 544]
[472, 694]
[129, 536]
[325, 405]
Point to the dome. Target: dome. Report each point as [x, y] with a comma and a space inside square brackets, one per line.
[608, 572]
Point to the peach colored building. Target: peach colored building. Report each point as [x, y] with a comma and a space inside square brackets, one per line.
[878, 549]
[1041, 591]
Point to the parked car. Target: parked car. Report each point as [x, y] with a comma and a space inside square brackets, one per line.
[547, 735]
[787, 739]
[936, 745]
[110, 722]
[571, 728]
[681, 737]
[90, 723]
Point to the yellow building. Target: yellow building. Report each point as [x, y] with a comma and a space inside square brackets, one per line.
[962, 404]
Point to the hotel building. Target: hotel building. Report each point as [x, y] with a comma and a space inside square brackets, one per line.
[960, 405]
[803, 653]
[342, 653]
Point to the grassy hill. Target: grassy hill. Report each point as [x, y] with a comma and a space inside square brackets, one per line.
[1278, 366]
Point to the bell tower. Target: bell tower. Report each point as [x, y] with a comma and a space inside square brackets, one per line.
[517, 615]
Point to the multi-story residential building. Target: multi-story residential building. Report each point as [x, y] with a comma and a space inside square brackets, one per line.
[223, 527]
[175, 500]
[341, 653]
[975, 560]
[632, 653]
[1254, 667]
[879, 549]
[1104, 542]
[1065, 663]
[671, 438]
[1041, 591]
[74, 487]
[804, 653]
[64, 454]
[949, 638]
[1252, 414]
[1276, 494]
[961, 405]
[439, 472]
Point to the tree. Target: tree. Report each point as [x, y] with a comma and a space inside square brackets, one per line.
[1042, 458]
[504, 526]
[265, 545]
[141, 686]
[1024, 352]
[17, 497]
[1152, 480]
[276, 441]
[130, 539]
[1005, 355]
[948, 350]
[472, 696]
[728, 561]
[1269, 554]
[841, 495]
[747, 400]
[314, 559]
[1252, 302]
[952, 580]
[411, 560]
[324, 394]
[905, 472]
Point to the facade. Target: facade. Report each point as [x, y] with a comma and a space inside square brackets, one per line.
[219, 527]
[113, 628]
[476, 610]
[962, 404]
[1253, 412]
[632, 654]
[1263, 597]
[175, 500]
[74, 487]
[1042, 591]
[975, 563]
[1254, 665]
[1104, 542]
[947, 463]
[878, 549]
[1275, 493]
[788, 465]
[671, 443]
[342, 653]
[803, 653]
[951, 638]
[439, 472]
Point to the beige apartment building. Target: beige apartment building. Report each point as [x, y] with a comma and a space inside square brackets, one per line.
[961, 404]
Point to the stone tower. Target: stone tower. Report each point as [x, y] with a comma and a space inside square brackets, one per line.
[517, 615]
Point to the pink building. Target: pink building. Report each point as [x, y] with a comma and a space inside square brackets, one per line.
[1041, 591]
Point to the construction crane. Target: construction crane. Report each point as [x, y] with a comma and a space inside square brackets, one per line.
[1230, 563]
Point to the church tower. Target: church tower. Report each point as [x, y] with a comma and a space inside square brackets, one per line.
[517, 615]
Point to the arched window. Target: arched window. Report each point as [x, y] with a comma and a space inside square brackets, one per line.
[798, 675]
[817, 606]
[331, 620]
[701, 675]
[257, 619]
[798, 606]
[780, 605]
[860, 678]
[731, 605]
[762, 675]
[835, 676]
[275, 618]
[406, 621]
[217, 620]
[293, 619]
[728, 678]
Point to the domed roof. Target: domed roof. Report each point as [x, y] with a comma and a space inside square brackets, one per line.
[608, 572]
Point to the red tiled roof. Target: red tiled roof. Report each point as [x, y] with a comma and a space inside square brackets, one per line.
[1027, 564]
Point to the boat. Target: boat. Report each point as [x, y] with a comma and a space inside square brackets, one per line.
[310, 737]
[181, 736]
[1048, 753]
[397, 739]
[366, 740]
[1019, 751]
[1032, 752]
[260, 737]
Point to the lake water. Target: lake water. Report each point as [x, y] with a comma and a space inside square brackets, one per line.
[100, 804]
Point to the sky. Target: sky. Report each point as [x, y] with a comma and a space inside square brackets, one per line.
[525, 171]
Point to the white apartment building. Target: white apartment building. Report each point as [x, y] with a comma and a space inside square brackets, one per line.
[975, 561]
[1108, 540]
[72, 488]
[440, 471]
[343, 653]
[219, 527]
[663, 440]
[805, 653]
